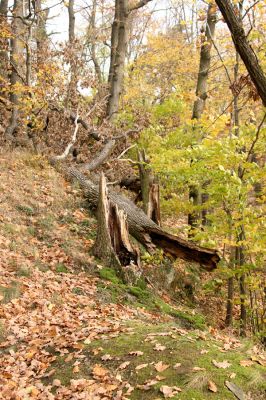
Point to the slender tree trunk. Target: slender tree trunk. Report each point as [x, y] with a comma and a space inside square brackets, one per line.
[41, 33]
[243, 47]
[149, 189]
[72, 87]
[92, 40]
[242, 287]
[118, 55]
[4, 47]
[17, 64]
[205, 62]
[201, 93]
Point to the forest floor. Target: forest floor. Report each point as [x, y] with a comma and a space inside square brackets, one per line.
[70, 329]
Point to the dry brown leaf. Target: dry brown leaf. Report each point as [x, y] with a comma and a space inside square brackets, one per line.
[136, 353]
[159, 347]
[223, 364]
[56, 382]
[169, 391]
[177, 365]
[124, 365]
[75, 369]
[196, 369]
[160, 366]
[106, 357]
[99, 371]
[141, 366]
[246, 363]
[160, 378]
[212, 387]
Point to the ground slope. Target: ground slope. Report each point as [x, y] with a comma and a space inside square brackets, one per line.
[70, 329]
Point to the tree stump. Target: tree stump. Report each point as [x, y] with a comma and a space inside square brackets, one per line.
[112, 243]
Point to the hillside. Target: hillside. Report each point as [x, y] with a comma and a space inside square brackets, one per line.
[70, 329]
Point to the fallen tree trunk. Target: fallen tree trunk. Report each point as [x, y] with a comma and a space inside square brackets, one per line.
[147, 232]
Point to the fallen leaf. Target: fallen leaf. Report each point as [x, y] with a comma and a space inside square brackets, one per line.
[203, 351]
[56, 382]
[160, 378]
[136, 353]
[232, 376]
[159, 347]
[75, 369]
[196, 369]
[124, 365]
[160, 366]
[99, 371]
[106, 357]
[87, 341]
[212, 387]
[223, 364]
[141, 366]
[177, 365]
[169, 391]
[246, 363]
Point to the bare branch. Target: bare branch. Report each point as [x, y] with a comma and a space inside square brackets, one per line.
[126, 150]
[71, 143]
[101, 157]
[138, 5]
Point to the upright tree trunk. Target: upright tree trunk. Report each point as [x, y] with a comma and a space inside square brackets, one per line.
[243, 47]
[4, 47]
[41, 33]
[149, 189]
[118, 55]
[72, 87]
[201, 93]
[205, 62]
[242, 286]
[92, 40]
[17, 64]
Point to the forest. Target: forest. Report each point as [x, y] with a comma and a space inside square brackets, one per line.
[133, 199]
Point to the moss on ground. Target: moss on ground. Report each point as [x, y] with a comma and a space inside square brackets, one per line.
[190, 350]
[141, 296]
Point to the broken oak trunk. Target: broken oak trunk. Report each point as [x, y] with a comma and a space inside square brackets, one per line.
[147, 232]
[112, 243]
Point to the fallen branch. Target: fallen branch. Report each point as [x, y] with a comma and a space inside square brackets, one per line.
[101, 157]
[64, 155]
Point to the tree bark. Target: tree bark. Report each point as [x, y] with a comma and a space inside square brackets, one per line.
[199, 104]
[72, 87]
[41, 33]
[17, 64]
[205, 62]
[243, 47]
[149, 189]
[147, 232]
[112, 243]
[118, 55]
[4, 48]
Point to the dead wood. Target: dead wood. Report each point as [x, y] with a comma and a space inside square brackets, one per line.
[146, 231]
